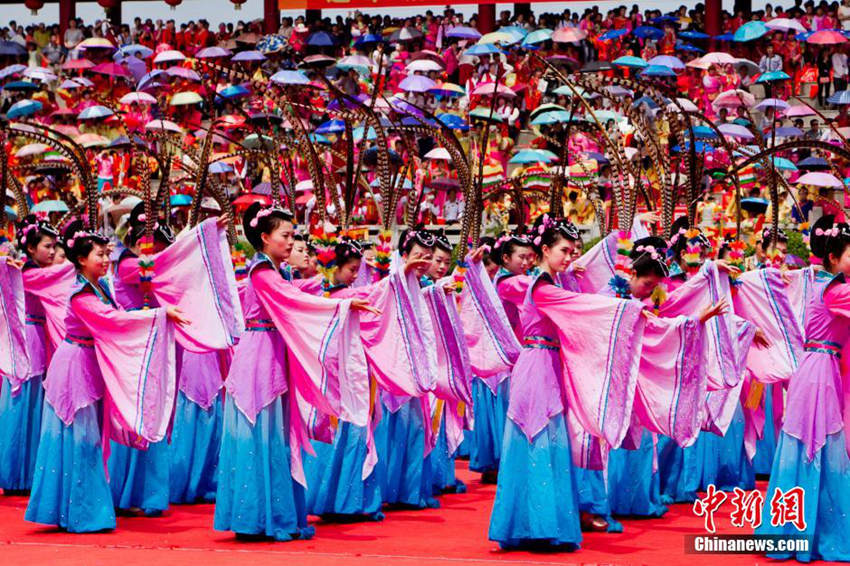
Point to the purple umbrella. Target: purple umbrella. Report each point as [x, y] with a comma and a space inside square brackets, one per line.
[212, 53]
[184, 73]
[667, 61]
[248, 56]
[736, 131]
[416, 83]
[136, 66]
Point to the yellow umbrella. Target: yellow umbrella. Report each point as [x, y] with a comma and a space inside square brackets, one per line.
[497, 37]
[184, 98]
[96, 42]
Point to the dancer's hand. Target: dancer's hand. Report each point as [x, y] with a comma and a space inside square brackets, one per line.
[718, 308]
[650, 217]
[363, 305]
[578, 270]
[760, 340]
[786, 276]
[175, 315]
[476, 255]
[416, 264]
[16, 263]
[223, 220]
[648, 313]
[725, 266]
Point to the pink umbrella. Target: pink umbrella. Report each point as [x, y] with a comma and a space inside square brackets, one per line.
[826, 37]
[112, 70]
[568, 35]
[77, 64]
[733, 99]
[820, 179]
[798, 111]
[212, 53]
[489, 89]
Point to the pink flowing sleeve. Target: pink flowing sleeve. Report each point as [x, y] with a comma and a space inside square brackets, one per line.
[14, 354]
[672, 384]
[703, 289]
[454, 374]
[328, 363]
[135, 353]
[492, 345]
[513, 289]
[600, 352]
[313, 285]
[762, 298]
[393, 340]
[837, 299]
[195, 274]
[599, 261]
[52, 285]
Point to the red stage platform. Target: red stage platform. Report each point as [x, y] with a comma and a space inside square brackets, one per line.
[454, 534]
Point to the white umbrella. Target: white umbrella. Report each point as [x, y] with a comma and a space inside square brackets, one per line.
[785, 24]
[172, 55]
[820, 179]
[439, 153]
[138, 97]
[424, 65]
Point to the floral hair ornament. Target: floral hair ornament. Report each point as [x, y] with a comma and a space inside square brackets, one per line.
[262, 213]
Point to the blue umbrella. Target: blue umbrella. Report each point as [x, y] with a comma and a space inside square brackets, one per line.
[813, 164]
[23, 108]
[331, 127]
[694, 35]
[463, 32]
[700, 147]
[803, 36]
[321, 39]
[725, 37]
[782, 164]
[287, 77]
[537, 36]
[515, 31]
[483, 49]
[682, 46]
[667, 61]
[631, 62]
[773, 76]
[94, 113]
[370, 38]
[319, 138]
[181, 200]
[755, 205]
[50, 206]
[12, 48]
[220, 167]
[704, 133]
[750, 31]
[530, 156]
[645, 100]
[648, 32]
[613, 34]
[234, 91]
[554, 117]
[10, 213]
[136, 50]
[20, 86]
[840, 97]
[453, 121]
[248, 56]
[658, 71]
[665, 19]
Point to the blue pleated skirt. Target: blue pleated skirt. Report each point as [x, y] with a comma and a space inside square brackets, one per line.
[443, 479]
[766, 446]
[139, 478]
[193, 452]
[314, 469]
[536, 496]
[633, 488]
[256, 494]
[712, 459]
[342, 493]
[490, 414]
[464, 448]
[404, 474]
[825, 482]
[593, 497]
[69, 487]
[20, 428]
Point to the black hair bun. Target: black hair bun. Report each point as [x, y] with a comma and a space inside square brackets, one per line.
[818, 242]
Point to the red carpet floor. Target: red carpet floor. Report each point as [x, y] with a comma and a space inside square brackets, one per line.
[454, 534]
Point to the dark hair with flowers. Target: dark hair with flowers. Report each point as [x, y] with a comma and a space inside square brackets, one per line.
[259, 220]
[548, 230]
[137, 222]
[829, 238]
[648, 256]
[767, 237]
[507, 243]
[416, 236]
[30, 231]
[441, 241]
[347, 250]
[79, 242]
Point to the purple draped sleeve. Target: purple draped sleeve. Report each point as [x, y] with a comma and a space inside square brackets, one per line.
[491, 342]
[453, 372]
[14, 354]
[600, 343]
[705, 288]
[52, 285]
